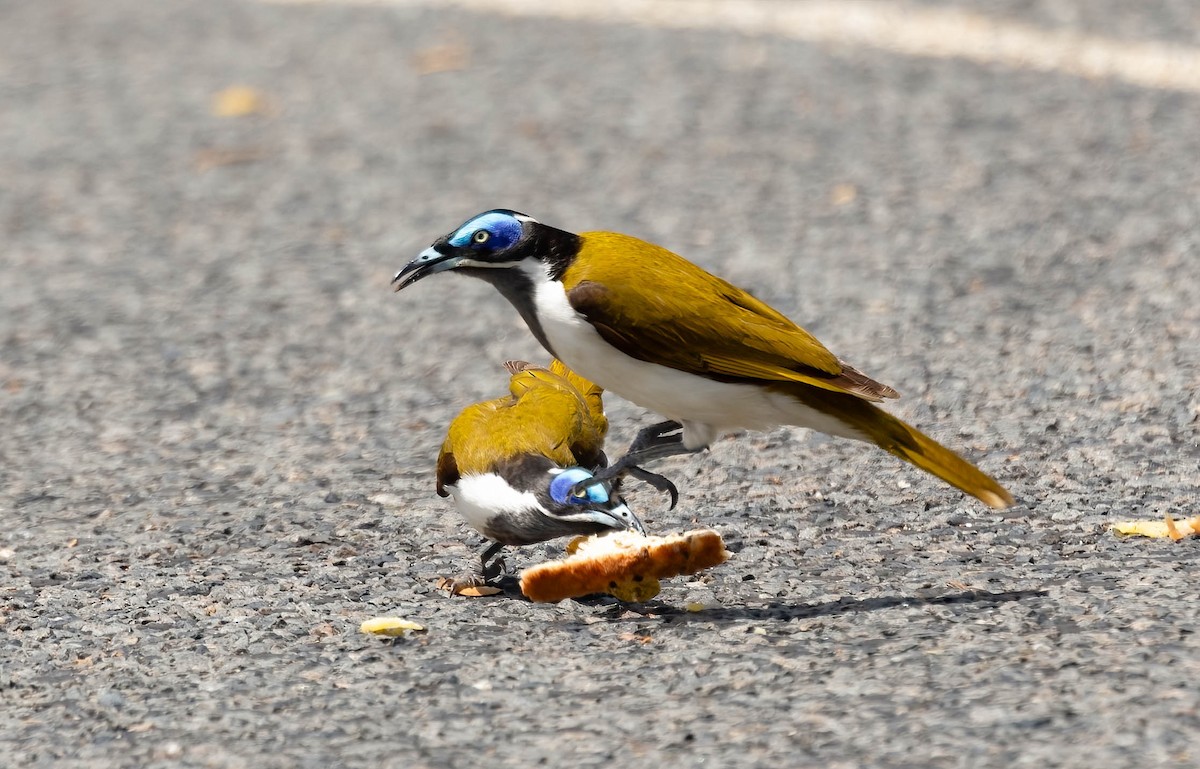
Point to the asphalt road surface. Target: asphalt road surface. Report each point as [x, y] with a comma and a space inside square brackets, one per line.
[218, 424]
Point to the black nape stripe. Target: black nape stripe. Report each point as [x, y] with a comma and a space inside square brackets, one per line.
[553, 247]
[527, 472]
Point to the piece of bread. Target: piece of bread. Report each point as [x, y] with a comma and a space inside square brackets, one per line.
[625, 564]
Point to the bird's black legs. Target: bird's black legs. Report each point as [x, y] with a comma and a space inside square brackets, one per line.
[491, 570]
[660, 482]
[490, 567]
[657, 441]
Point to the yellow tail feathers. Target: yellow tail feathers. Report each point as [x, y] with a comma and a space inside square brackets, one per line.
[907, 442]
[913, 446]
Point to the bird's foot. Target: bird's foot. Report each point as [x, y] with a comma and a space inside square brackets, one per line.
[663, 439]
[469, 584]
[455, 585]
[491, 568]
[659, 482]
[613, 473]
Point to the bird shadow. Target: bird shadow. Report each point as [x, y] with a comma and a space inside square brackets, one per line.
[623, 612]
[616, 611]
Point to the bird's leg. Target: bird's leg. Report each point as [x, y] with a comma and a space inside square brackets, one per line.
[660, 436]
[490, 567]
[494, 569]
[663, 439]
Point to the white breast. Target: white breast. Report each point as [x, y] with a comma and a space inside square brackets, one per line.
[481, 497]
[706, 408]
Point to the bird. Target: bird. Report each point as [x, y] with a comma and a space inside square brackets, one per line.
[511, 465]
[662, 332]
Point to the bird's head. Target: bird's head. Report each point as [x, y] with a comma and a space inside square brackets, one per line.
[600, 504]
[488, 245]
[492, 240]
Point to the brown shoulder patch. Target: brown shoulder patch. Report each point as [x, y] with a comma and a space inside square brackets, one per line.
[447, 473]
[587, 295]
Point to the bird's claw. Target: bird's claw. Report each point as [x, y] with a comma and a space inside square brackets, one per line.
[455, 585]
[659, 482]
[491, 571]
[491, 567]
[476, 583]
[619, 470]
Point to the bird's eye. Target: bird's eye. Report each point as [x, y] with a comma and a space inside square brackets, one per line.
[564, 483]
[481, 236]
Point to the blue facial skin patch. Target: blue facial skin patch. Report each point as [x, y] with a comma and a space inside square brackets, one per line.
[503, 230]
[560, 488]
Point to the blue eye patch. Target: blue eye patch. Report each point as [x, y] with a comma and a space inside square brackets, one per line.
[560, 488]
[493, 231]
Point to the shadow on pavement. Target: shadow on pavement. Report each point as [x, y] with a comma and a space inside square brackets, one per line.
[827, 609]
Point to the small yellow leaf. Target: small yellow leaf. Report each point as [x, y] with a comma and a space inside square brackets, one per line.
[1168, 527]
[238, 101]
[843, 194]
[478, 591]
[694, 606]
[450, 56]
[1141, 528]
[392, 627]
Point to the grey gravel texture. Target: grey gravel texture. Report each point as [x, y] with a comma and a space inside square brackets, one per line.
[218, 425]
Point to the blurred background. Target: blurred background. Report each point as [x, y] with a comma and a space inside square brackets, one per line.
[212, 405]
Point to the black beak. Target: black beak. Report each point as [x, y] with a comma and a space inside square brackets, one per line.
[624, 518]
[428, 262]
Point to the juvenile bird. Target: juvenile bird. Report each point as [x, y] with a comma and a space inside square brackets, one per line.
[656, 329]
[511, 464]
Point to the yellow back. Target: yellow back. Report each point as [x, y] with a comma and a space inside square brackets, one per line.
[551, 411]
[676, 314]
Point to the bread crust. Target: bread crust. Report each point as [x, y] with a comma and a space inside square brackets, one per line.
[618, 563]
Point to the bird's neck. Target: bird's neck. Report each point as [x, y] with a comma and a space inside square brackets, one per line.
[519, 287]
[548, 252]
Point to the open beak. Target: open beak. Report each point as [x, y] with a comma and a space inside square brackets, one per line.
[428, 262]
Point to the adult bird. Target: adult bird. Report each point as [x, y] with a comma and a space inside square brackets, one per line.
[660, 331]
[511, 464]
